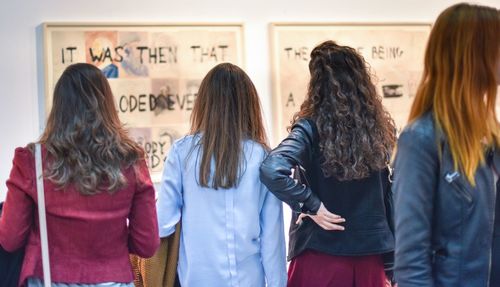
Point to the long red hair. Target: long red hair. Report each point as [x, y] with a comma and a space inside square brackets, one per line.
[459, 82]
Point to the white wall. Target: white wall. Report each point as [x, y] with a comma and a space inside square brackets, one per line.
[20, 49]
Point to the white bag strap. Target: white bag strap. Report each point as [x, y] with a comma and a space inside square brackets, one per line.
[41, 215]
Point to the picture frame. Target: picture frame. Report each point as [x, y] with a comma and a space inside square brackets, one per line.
[154, 70]
[393, 52]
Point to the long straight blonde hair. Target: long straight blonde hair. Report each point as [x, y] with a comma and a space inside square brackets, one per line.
[459, 82]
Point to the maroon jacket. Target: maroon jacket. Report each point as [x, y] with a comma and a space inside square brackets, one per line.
[89, 238]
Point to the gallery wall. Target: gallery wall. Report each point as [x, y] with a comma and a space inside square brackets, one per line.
[21, 68]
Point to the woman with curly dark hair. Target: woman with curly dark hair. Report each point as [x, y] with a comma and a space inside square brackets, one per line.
[331, 170]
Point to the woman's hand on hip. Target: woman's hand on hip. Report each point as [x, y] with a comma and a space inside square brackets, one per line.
[325, 219]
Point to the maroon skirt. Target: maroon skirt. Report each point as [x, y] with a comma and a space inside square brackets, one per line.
[315, 269]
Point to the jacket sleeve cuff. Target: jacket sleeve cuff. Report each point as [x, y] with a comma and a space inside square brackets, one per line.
[311, 204]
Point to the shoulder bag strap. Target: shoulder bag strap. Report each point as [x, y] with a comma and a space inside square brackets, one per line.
[41, 215]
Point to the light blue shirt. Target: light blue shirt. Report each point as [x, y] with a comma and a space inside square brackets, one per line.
[229, 237]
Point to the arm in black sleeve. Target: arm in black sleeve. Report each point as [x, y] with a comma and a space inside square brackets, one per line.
[275, 171]
[415, 183]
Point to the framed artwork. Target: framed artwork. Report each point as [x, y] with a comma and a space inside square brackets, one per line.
[154, 71]
[394, 53]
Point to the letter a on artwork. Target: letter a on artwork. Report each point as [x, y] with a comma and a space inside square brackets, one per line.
[290, 100]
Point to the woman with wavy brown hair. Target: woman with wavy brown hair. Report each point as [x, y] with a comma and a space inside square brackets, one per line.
[95, 179]
[448, 157]
[337, 149]
[231, 225]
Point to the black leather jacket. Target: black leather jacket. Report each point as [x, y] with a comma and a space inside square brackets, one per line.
[444, 226]
[360, 202]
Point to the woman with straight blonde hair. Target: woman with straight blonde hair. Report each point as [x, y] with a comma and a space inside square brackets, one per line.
[447, 159]
[231, 225]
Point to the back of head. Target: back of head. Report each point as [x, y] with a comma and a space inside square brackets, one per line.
[356, 133]
[226, 112]
[84, 136]
[459, 82]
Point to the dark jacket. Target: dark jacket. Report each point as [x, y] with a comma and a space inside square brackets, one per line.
[444, 226]
[10, 264]
[360, 202]
[495, 264]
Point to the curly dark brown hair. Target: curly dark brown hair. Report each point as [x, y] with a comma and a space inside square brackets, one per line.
[356, 133]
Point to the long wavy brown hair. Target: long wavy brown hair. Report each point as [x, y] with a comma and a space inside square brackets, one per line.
[459, 83]
[87, 144]
[356, 133]
[226, 112]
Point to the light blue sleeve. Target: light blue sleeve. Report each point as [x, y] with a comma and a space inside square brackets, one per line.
[273, 241]
[169, 204]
